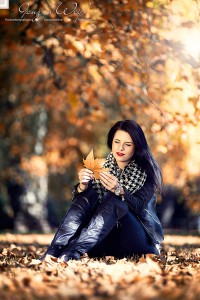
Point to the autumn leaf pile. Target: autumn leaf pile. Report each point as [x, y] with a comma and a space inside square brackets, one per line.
[95, 165]
[174, 275]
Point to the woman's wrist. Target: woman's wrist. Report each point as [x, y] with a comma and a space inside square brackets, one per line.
[119, 190]
[122, 192]
[82, 187]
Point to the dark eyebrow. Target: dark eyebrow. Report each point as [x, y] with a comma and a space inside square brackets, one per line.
[125, 142]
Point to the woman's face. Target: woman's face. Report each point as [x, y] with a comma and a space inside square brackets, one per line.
[123, 148]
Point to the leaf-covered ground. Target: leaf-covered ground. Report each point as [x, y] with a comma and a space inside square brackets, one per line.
[174, 275]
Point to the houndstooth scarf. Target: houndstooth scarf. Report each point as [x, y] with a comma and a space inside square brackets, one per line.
[132, 177]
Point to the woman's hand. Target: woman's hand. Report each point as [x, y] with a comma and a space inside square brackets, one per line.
[109, 181]
[84, 175]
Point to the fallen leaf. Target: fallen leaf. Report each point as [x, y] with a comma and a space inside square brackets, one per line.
[17, 252]
[91, 278]
[95, 165]
[35, 262]
[5, 251]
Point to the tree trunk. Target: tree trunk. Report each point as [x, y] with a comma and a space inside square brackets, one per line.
[29, 197]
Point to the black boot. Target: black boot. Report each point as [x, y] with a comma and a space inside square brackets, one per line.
[101, 223]
[76, 217]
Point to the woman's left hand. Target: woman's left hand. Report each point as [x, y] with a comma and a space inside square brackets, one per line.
[109, 181]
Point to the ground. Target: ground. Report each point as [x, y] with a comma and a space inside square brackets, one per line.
[173, 275]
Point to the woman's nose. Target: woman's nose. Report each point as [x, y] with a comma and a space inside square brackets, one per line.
[121, 147]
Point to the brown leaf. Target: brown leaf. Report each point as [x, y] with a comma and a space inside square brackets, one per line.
[17, 252]
[95, 165]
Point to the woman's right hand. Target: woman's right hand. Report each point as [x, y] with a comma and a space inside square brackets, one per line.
[85, 175]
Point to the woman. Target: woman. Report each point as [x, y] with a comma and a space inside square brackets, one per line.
[116, 214]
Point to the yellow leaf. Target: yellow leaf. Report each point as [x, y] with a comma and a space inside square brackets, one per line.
[95, 165]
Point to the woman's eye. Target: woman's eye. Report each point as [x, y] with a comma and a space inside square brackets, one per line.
[116, 142]
[128, 145]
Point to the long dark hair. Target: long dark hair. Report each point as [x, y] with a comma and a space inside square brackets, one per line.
[142, 155]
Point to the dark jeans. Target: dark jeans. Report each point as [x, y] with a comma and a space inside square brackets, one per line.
[99, 229]
[125, 239]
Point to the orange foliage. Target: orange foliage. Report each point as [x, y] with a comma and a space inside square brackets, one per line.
[36, 166]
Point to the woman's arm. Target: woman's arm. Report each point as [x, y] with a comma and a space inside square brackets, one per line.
[136, 201]
[76, 192]
[139, 200]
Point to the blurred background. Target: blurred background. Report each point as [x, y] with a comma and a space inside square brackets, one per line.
[68, 71]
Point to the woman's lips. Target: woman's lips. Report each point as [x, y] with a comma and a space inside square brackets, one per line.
[120, 154]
